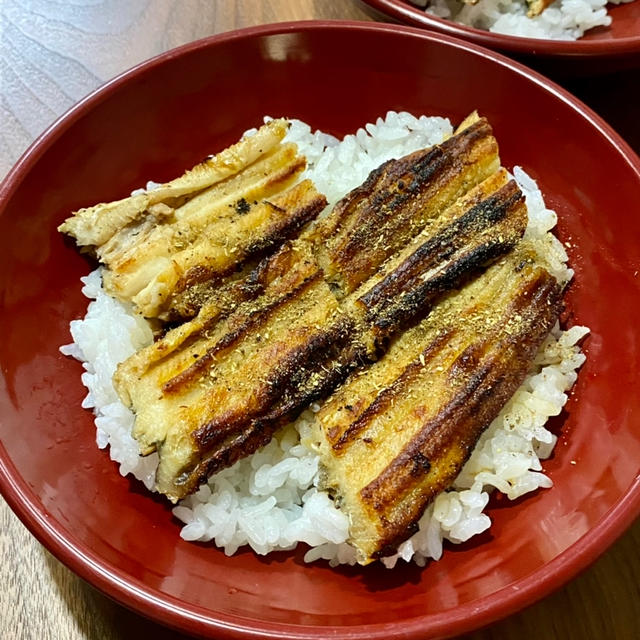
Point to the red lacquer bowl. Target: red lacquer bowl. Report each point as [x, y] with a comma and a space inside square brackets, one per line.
[166, 115]
[600, 49]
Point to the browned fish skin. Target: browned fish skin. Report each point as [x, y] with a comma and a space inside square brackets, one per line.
[490, 228]
[296, 207]
[201, 407]
[308, 382]
[274, 276]
[247, 286]
[168, 375]
[287, 376]
[340, 439]
[396, 436]
[397, 200]
[251, 360]
[254, 318]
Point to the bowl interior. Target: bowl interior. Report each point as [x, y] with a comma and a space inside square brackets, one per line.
[625, 19]
[170, 114]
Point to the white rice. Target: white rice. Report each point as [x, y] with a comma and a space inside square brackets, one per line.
[270, 500]
[562, 20]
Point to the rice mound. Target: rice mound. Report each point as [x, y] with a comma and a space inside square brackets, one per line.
[562, 20]
[270, 500]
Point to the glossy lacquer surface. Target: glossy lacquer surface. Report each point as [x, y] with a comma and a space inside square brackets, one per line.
[600, 49]
[168, 114]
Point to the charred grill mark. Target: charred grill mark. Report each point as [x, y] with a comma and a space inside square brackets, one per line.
[359, 196]
[406, 290]
[210, 323]
[479, 217]
[235, 447]
[435, 435]
[258, 317]
[379, 226]
[275, 388]
[247, 439]
[201, 273]
[287, 229]
[396, 182]
[296, 381]
[420, 296]
[386, 197]
[468, 415]
[187, 304]
[270, 268]
[283, 228]
[323, 377]
[341, 440]
[420, 465]
[486, 375]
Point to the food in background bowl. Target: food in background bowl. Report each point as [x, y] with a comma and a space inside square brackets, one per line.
[559, 20]
[421, 310]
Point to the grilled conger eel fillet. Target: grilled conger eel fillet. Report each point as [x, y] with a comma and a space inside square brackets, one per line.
[414, 307]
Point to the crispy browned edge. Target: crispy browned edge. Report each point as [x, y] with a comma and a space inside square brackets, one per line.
[382, 224]
[463, 419]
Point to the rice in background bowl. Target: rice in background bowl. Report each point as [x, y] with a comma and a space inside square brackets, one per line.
[562, 20]
[600, 50]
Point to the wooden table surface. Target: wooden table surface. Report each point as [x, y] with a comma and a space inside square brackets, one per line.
[53, 52]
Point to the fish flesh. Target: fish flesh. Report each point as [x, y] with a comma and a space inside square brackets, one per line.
[398, 199]
[397, 434]
[481, 226]
[160, 246]
[536, 7]
[414, 306]
[205, 382]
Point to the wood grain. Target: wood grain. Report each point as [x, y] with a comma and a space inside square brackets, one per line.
[54, 52]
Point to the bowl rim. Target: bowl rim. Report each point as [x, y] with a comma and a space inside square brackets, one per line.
[409, 14]
[168, 610]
